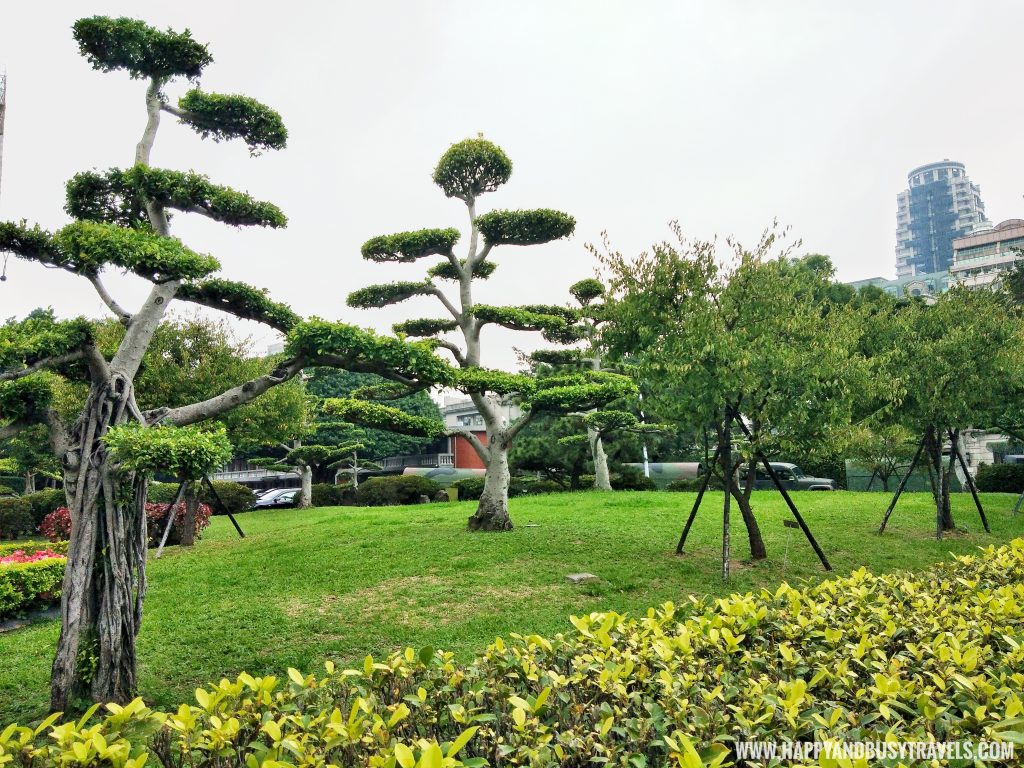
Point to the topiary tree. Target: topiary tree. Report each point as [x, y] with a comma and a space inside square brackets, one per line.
[121, 220]
[467, 170]
[614, 417]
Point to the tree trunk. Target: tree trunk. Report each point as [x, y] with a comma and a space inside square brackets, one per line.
[947, 482]
[105, 580]
[492, 510]
[757, 548]
[939, 477]
[725, 443]
[602, 480]
[306, 492]
[30, 482]
[187, 524]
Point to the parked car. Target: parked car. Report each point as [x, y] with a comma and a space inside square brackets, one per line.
[791, 476]
[280, 498]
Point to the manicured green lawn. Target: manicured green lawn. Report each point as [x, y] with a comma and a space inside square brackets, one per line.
[344, 582]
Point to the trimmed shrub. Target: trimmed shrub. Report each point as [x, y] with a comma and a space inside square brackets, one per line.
[901, 657]
[1000, 478]
[331, 495]
[57, 525]
[44, 502]
[31, 547]
[692, 484]
[156, 514]
[6, 490]
[28, 584]
[469, 488]
[397, 489]
[545, 486]
[15, 517]
[236, 497]
[16, 484]
[631, 479]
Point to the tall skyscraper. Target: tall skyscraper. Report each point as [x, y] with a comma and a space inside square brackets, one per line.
[939, 205]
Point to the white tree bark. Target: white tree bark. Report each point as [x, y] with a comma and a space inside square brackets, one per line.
[602, 478]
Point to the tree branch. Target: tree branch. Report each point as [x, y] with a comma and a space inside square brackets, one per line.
[49, 362]
[519, 424]
[112, 305]
[338, 361]
[240, 395]
[171, 109]
[473, 440]
[456, 315]
[98, 366]
[484, 252]
[456, 352]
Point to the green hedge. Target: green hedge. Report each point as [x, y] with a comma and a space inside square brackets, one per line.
[31, 547]
[331, 495]
[236, 497]
[471, 488]
[44, 502]
[1001, 478]
[398, 489]
[25, 585]
[692, 484]
[935, 656]
[15, 517]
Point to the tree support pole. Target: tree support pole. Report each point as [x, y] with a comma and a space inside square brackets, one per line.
[170, 517]
[222, 505]
[789, 501]
[902, 485]
[1020, 500]
[970, 481]
[796, 513]
[696, 504]
[871, 479]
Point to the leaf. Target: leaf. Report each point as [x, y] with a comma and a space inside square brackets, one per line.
[431, 757]
[404, 756]
[461, 741]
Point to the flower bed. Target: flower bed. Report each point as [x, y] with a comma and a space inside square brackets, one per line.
[56, 526]
[60, 547]
[911, 657]
[29, 578]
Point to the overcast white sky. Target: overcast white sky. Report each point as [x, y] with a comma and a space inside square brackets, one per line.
[720, 114]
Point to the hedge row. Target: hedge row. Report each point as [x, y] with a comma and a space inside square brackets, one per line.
[31, 547]
[236, 497]
[15, 517]
[933, 656]
[26, 585]
[1001, 478]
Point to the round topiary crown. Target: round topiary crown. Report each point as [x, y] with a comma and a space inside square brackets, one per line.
[472, 167]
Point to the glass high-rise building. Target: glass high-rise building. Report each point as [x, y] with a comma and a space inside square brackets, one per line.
[939, 205]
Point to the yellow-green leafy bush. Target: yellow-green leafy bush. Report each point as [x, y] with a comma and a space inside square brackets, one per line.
[25, 585]
[938, 655]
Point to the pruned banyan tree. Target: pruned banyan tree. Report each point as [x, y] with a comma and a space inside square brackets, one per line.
[121, 220]
[466, 171]
[613, 417]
